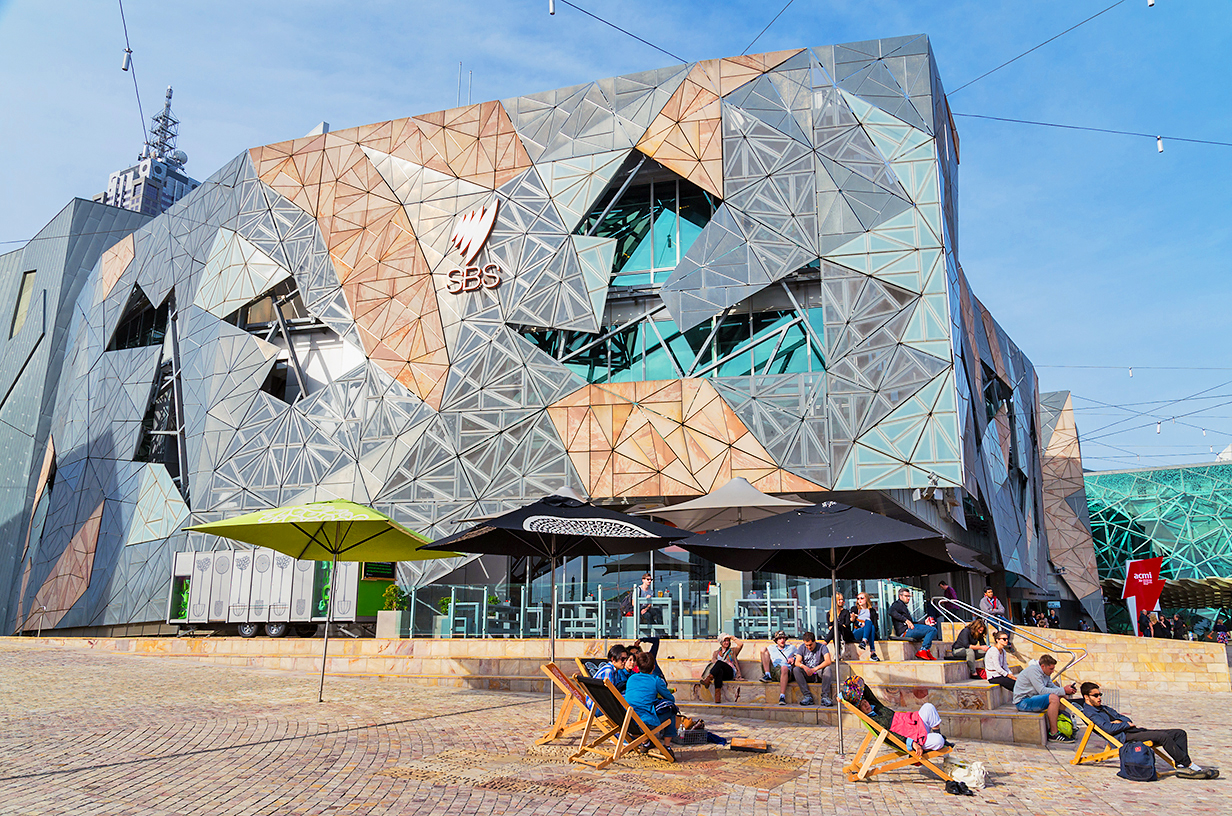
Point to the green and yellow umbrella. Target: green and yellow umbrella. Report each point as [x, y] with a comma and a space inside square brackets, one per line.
[337, 530]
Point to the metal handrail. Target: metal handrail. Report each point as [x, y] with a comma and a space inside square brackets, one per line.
[946, 607]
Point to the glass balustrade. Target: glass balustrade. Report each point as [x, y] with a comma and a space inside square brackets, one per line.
[750, 606]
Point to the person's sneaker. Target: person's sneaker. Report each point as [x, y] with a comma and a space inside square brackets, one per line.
[826, 702]
[1059, 737]
[766, 678]
[874, 656]
[924, 654]
[807, 700]
[782, 699]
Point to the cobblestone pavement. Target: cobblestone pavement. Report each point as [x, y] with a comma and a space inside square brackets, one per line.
[95, 733]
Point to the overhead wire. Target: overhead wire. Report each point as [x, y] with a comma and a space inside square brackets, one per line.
[621, 30]
[767, 28]
[1095, 129]
[1036, 48]
[132, 68]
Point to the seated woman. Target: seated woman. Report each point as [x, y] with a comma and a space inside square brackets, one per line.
[844, 621]
[919, 730]
[644, 691]
[724, 665]
[864, 625]
[971, 645]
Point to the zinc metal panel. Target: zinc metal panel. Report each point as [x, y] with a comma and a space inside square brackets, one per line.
[220, 584]
[301, 591]
[281, 588]
[262, 585]
[199, 588]
[241, 587]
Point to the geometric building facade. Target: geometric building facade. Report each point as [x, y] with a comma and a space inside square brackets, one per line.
[1071, 550]
[1181, 513]
[638, 288]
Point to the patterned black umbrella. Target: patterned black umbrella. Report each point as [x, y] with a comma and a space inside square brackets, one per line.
[559, 528]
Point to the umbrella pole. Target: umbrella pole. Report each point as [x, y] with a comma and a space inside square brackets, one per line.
[838, 653]
[552, 631]
[329, 616]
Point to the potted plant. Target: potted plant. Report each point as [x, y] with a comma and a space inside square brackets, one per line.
[394, 620]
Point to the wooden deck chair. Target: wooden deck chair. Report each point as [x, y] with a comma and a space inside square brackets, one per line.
[1112, 745]
[587, 667]
[623, 728]
[573, 714]
[867, 763]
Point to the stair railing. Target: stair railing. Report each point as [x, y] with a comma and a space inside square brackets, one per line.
[949, 608]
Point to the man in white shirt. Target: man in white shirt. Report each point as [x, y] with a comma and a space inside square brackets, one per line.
[774, 657]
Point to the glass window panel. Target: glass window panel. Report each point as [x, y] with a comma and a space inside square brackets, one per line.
[657, 359]
[732, 335]
[591, 364]
[626, 355]
[793, 353]
[23, 303]
[663, 235]
[696, 210]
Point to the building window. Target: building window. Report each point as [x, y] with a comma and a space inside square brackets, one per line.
[23, 303]
[142, 324]
[654, 225]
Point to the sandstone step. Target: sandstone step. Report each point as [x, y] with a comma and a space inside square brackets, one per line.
[1005, 725]
[967, 696]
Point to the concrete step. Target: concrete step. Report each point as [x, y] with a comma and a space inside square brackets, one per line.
[968, 696]
[1005, 725]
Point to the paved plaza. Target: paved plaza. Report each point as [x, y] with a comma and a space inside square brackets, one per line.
[87, 732]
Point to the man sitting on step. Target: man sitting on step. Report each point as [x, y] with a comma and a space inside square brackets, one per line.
[1173, 740]
[811, 663]
[776, 658]
[908, 629]
[1034, 692]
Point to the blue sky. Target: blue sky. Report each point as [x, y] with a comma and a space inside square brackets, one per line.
[1090, 249]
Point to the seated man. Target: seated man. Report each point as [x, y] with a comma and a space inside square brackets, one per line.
[919, 730]
[1173, 740]
[1035, 692]
[904, 627]
[648, 613]
[775, 657]
[811, 663]
[644, 692]
[997, 666]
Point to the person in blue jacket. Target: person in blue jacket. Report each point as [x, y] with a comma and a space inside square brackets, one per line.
[643, 690]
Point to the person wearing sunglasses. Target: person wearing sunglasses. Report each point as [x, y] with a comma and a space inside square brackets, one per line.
[1173, 740]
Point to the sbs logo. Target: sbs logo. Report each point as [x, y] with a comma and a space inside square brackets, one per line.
[470, 233]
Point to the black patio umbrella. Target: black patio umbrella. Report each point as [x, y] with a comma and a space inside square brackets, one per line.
[824, 541]
[559, 528]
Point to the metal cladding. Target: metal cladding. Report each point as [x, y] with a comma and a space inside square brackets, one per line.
[740, 267]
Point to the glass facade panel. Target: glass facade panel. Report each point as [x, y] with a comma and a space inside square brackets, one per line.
[23, 303]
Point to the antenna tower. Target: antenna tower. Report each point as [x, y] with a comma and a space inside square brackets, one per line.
[164, 132]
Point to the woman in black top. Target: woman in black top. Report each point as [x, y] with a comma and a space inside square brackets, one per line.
[970, 645]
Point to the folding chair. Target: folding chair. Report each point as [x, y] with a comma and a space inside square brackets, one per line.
[1112, 745]
[867, 763]
[587, 667]
[624, 728]
[567, 722]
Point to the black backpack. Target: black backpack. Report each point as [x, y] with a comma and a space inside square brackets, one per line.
[1137, 763]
